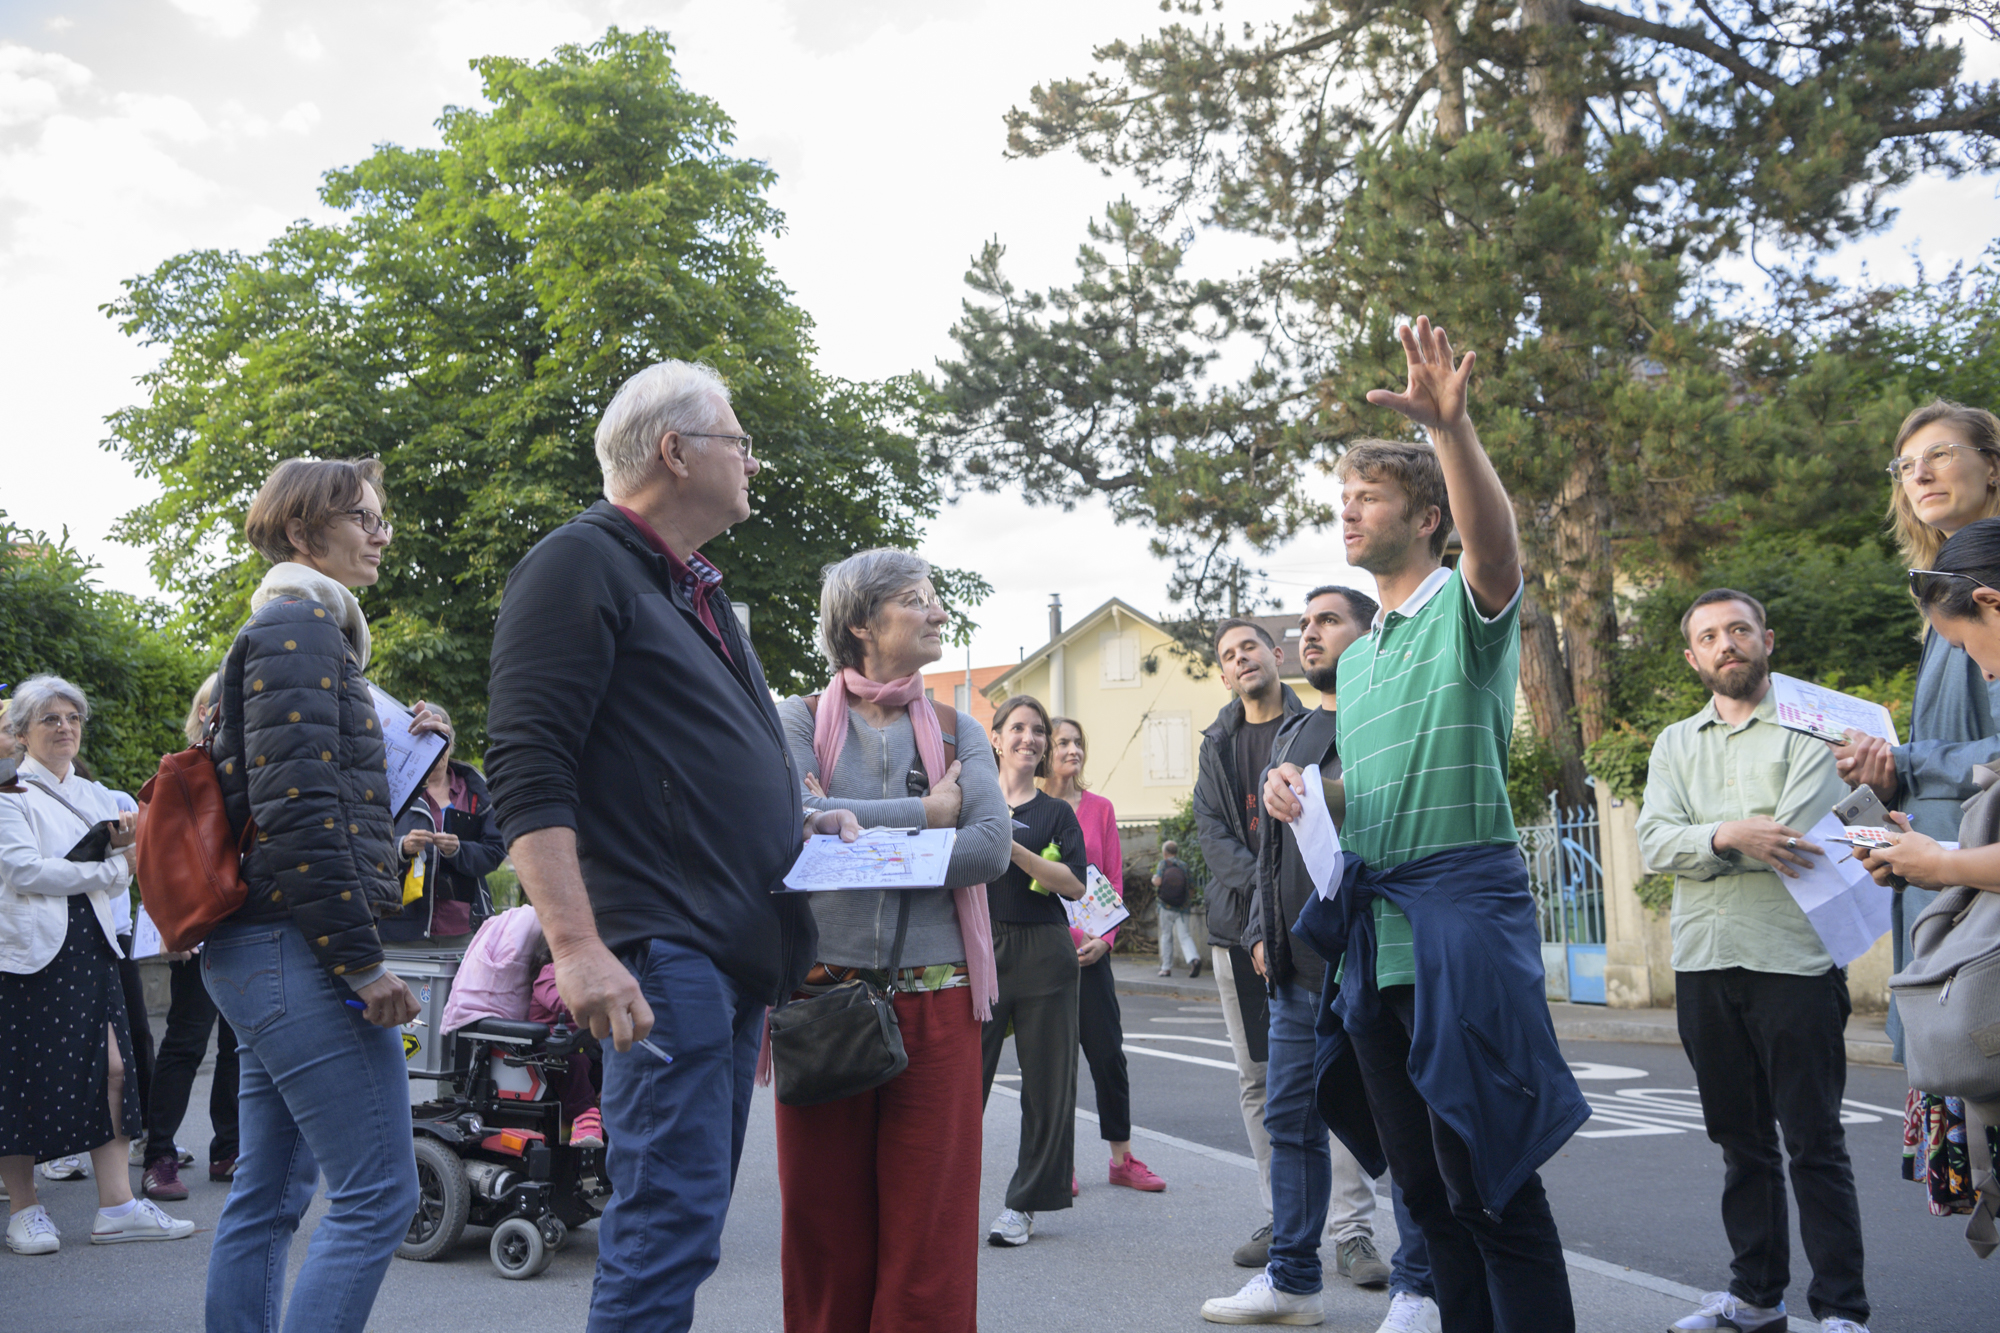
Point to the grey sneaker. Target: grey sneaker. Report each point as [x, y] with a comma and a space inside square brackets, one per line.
[1261, 1303]
[1355, 1259]
[1255, 1252]
[1012, 1227]
[1720, 1309]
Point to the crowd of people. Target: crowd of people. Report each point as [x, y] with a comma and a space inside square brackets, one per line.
[652, 793]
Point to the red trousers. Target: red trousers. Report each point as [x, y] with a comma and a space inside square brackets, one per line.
[881, 1191]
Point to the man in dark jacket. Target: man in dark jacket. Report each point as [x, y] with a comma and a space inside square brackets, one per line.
[1235, 750]
[650, 805]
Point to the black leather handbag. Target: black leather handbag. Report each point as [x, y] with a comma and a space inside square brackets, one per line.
[840, 1043]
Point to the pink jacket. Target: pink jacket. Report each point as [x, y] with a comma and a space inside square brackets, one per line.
[1101, 848]
[492, 979]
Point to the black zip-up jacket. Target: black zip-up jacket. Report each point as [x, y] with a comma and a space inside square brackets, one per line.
[456, 879]
[1218, 822]
[1272, 910]
[299, 747]
[614, 713]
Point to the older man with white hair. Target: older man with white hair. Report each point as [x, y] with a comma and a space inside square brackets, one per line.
[651, 805]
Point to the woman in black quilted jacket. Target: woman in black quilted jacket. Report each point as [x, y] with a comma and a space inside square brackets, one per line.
[298, 971]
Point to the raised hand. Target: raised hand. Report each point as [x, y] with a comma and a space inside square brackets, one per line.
[1435, 397]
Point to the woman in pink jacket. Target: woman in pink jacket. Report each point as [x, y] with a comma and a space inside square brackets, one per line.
[1099, 1024]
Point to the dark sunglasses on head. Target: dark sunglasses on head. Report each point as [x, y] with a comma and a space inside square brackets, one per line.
[1929, 585]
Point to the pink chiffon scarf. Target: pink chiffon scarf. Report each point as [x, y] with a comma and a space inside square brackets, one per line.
[975, 926]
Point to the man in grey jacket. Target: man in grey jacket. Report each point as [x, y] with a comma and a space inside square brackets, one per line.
[1235, 750]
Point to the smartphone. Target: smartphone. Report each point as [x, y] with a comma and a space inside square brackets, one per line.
[1862, 807]
[9, 765]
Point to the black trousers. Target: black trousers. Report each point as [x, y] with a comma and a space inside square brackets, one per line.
[1493, 1274]
[134, 987]
[1102, 1030]
[1038, 974]
[1770, 1055]
[190, 1016]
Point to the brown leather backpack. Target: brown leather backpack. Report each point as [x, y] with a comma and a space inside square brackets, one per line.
[188, 862]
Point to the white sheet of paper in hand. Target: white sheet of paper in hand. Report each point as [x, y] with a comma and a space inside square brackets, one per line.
[1319, 841]
[410, 755]
[146, 942]
[1841, 900]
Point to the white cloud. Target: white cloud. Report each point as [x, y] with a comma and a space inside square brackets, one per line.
[33, 83]
[58, 23]
[172, 118]
[301, 119]
[304, 44]
[224, 18]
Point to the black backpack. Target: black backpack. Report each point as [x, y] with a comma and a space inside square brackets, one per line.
[1173, 885]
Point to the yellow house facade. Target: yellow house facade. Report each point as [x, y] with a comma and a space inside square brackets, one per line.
[1115, 672]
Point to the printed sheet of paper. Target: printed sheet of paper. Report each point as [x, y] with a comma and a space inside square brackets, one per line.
[410, 755]
[1100, 909]
[881, 858]
[146, 942]
[1319, 841]
[1845, 905]
[1827, 714]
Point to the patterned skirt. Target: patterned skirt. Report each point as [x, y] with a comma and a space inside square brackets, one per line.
[1936, 1155]
[53, 1060]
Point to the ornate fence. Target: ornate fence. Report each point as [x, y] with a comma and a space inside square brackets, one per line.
[1567, 876]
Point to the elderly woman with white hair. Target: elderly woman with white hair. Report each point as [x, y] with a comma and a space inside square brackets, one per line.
[881, 1190]
[65, 1038]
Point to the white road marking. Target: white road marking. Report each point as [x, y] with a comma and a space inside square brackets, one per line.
[1230, 1065]
[1589, 1069]
[1175, 1036]
[1216, 1021]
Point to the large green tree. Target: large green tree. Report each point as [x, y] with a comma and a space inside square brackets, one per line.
[467, 321]
[1553, 181]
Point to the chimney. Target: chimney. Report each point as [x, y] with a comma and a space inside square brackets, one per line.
[1055, 616]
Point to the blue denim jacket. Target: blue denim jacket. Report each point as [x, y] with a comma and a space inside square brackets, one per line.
[1952, 726]
[1484, 1052]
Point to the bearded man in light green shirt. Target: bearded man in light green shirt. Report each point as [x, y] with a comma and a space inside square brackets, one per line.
[1762, 1009]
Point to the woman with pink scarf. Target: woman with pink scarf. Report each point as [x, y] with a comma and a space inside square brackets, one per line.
[881, 1190]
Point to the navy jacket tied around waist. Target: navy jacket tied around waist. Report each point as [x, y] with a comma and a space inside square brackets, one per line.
[1483, 1052]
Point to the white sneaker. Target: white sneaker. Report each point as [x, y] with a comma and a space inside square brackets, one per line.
[1012, 1227]
[145, 1222]
[31, 1232]
[1835, 1324]
[1719, 1309]
[1261, 1303]
[63, 1168]
[1410, 1313]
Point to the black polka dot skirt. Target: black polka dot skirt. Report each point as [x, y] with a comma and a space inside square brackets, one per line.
[53, 1062]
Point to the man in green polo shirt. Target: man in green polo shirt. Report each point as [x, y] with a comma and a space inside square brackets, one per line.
[1763, 1010]
[1426, 713]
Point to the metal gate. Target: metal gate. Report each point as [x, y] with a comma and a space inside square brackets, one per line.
[1567, 877]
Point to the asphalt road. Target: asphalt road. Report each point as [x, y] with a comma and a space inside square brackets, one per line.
[1640, 1186]
[1635, 1194]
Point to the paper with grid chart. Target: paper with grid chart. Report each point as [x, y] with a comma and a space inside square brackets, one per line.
[1827, 714]
[1100, 909]
[881, 858]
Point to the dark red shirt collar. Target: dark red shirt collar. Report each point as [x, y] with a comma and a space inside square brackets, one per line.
[695, 576]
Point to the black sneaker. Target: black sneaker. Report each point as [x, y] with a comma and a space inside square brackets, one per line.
[1255, 1252]
[1194, 969]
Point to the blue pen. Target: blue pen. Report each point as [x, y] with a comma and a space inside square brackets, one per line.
[647, 1042]
[354, 1004]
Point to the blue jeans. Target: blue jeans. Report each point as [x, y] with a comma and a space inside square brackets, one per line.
[1301, 1162]
[1410, 1269]
[674, 1135]
[322, 1090]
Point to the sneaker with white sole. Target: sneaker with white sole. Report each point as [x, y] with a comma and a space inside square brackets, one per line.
[1721, 1309]
[1011, 1227]
[146, 1221]
[31, 1232]
[1261, 1303]
[63, 1168]
[1835, 1324]
[1409, 1313]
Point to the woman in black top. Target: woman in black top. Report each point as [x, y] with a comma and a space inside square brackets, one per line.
[1037, 970]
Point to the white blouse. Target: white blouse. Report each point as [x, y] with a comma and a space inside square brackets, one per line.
[35, 881]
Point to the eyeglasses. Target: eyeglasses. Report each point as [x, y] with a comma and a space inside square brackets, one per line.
[371, 522]
[1924, 586]
[1934, 458]
[54, 720]
[914, 600]
[742, 441]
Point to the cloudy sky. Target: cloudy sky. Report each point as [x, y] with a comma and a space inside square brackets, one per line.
[131, 130]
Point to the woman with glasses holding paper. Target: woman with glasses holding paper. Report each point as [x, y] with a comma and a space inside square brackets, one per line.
[1945, 469]
[881, 1190]
[298, 970]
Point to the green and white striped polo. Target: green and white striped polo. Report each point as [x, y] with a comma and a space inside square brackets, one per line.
[1426, 715]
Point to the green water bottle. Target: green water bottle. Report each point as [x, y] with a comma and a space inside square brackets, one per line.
[1049, 853]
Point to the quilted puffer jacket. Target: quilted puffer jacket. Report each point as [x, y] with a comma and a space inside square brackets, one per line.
[300, 749]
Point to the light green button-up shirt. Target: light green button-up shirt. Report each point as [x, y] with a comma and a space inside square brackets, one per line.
[1729, 909]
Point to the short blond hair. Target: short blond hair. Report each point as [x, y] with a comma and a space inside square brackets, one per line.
[316, 491]
[1918, 540]
[1412, 466]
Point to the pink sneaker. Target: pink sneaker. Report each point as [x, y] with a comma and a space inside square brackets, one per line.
[1135, 1174]
[587, 1130]
[1074, 1188]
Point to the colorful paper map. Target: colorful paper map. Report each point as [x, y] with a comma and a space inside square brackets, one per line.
[1827, 714]
[879, 859]
[1100, 909]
